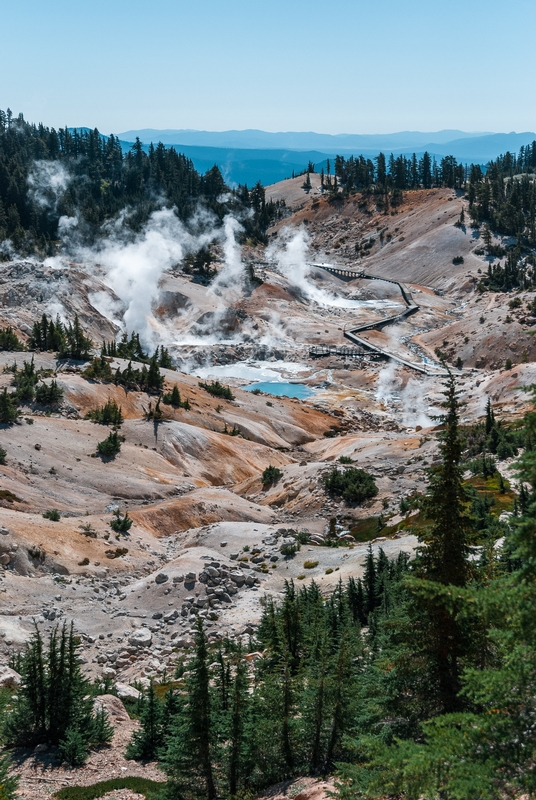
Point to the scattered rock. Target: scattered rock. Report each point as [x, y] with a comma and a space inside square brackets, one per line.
[126, 692]
[142, 637]
[8, 677]
[112, 705]
[161, 577]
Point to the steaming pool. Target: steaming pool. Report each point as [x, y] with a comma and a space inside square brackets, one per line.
[281, 389]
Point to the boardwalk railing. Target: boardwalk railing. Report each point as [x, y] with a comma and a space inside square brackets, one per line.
[352, 333]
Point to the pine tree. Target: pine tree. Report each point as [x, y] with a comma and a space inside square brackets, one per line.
[54, 702]
[447, 544]
[8, 409]
[8, 782]
[189, 757]
[369, 582]
[147, 741]
[237, 727]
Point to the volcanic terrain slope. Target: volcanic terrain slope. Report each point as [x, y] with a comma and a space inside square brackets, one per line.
[191, 479]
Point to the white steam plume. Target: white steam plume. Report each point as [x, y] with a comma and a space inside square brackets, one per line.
[388, 384]
[409, 399]
[47, 182]
[415, 410]
[290, 254]
[230, 280]
[134, 268]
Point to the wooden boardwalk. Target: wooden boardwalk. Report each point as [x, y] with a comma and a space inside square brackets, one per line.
[352, 334]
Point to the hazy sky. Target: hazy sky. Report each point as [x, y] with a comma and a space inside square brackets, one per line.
[344, 66]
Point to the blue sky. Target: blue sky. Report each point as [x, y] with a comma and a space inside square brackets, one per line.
[344, 66]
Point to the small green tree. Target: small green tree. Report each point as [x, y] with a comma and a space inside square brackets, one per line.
[271, 475]
[8, 409]
[110, 446]
[120, 523]
[147, 741]
[73, 748]
[49, 394]
[189, 757]
[8, 783]
[173, 398]
[108, 414]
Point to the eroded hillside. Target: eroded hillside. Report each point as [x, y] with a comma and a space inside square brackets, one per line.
[191, 479]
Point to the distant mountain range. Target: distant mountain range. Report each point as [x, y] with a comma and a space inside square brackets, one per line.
[251, 155]
[339, 143]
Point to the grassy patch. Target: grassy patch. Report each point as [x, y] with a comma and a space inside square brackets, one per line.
[491, 486]
[310, 564]
[366, 529]
[149, 789]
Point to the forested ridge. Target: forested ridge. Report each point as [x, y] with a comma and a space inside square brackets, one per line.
[46, 174]
[501, 200]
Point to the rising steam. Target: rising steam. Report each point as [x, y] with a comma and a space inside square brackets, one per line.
[290, 255]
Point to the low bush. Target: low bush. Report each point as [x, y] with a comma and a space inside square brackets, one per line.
[217, 389]
[271, 475]
[290, 549]
[354, 485]
[52, 514]
[3, 456]
[458, 260]
[310, 564]
[109, 414]
[120, 523]
[110, 446]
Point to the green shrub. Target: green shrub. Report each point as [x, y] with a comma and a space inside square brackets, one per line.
[8, 409]
[102, 731]
[346, 460]
[52, 514]
[457, 260]
[25, 380]
[271, 475]
[354, 485]
[8, 783]
[3, 456]
[73, 748]
[173, 398]
[48, 394]
[120, 523]
[290, 549]
[217, 389]
[109, 414]
[9, 340]
[98, 370]
[310, 564]
[110, 446]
